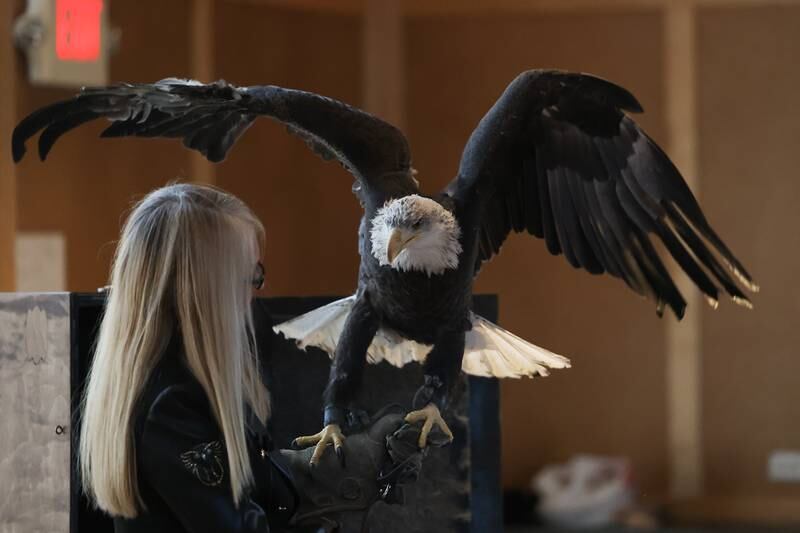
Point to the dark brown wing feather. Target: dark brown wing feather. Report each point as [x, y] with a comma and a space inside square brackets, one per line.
[557, 156]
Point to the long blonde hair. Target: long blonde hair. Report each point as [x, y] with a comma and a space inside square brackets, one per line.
[185, 260]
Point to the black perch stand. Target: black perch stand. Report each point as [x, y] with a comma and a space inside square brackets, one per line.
[456, 487]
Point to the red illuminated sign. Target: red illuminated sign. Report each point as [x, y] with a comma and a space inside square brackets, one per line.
[78, 29]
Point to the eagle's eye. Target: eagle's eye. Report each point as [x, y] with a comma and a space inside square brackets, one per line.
[417, 224]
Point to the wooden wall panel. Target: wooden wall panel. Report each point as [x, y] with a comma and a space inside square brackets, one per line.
[87, 184]
[383, 50]
[8, 179]
[749, 133]
[683, 346]
[310, 214]
[613, 399]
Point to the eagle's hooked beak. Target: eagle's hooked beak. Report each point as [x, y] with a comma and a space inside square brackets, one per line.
[397, 243]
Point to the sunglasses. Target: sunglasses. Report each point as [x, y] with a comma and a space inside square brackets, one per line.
[258, 279]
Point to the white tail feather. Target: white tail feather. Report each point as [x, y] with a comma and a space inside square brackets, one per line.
[490, 350]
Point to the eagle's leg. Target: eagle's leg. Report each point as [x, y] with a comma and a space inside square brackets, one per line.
[441, 372]
[345, 378]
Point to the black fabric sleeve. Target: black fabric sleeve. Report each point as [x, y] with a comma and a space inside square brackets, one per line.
[181, 455]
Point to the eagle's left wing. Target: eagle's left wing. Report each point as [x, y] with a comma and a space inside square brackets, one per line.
[557, 156]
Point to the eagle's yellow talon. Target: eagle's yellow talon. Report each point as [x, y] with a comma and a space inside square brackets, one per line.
[330, 434]
[431, 416]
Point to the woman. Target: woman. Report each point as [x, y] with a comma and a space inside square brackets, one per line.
[173, 428]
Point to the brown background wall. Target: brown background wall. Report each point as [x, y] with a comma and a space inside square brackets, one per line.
[8, 181]
[310, 214]
[613, 399]
[750, 139]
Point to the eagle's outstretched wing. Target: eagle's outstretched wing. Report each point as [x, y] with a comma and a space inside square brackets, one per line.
[558, 157]
[210, 117]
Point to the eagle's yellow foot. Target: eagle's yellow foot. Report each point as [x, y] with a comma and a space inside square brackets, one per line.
[330, 434]
[431, 415]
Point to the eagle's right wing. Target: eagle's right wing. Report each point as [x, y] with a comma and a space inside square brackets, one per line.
[210, 117]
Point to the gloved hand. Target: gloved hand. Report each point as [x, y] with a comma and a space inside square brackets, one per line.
[336, 495]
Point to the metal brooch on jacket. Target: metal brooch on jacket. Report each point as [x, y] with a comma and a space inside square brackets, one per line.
[205, 462]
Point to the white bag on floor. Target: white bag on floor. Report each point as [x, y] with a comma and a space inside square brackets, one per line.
[587, 492]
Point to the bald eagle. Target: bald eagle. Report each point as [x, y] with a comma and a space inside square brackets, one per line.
[557, 156]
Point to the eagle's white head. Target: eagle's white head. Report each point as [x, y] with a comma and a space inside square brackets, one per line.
[416, 233]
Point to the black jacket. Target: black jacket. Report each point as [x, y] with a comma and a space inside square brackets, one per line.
[183, 470]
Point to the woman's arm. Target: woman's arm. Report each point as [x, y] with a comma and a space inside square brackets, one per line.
[181, 455]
